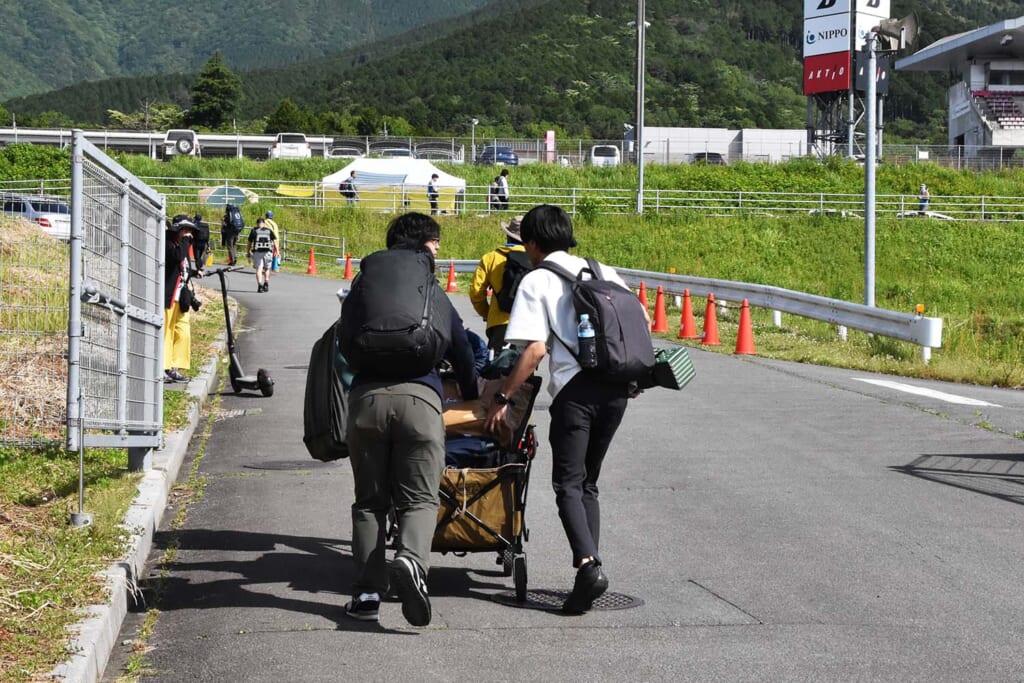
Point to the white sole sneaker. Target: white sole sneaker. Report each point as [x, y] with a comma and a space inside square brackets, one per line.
[409, 581]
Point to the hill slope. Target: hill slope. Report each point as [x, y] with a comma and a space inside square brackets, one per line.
[566, 64]
[50, 44]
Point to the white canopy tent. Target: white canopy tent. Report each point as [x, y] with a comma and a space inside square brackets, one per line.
[396, 185]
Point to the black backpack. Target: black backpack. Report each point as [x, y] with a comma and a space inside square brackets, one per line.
[517, 265]
[396, 320]
[624, 349]
[234, 218]
[325, 411]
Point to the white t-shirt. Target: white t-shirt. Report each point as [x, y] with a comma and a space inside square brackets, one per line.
[543, 308]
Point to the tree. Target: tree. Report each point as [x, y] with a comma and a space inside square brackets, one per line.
[215, 94]
[287, 117]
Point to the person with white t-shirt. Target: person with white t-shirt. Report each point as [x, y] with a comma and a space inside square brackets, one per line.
[586, 409]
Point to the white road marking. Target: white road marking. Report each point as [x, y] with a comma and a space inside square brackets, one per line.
[930, 393]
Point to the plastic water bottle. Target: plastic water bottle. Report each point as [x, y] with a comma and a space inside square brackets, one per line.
[588, 342]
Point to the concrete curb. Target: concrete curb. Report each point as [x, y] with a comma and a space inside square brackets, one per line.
[97, 634]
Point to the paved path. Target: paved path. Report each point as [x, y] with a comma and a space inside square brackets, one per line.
[778, 521]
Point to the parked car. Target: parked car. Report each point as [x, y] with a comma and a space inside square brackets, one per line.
[182, 142]
[492, 154]
[713, 158]
[344, 153]
[52, 215]
[396, 153]
[290, 146]
[605, 155]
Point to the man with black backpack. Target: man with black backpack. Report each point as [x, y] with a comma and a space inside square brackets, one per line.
[500, 271]
[396, 326]
[231, 226]
[588, 402]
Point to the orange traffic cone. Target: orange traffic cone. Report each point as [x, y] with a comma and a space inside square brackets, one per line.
[687, 325]
[348, 266]
[642, 294]
[311, 268]
[745, 338]
[710, 337]
[451, 278]
[660, 322]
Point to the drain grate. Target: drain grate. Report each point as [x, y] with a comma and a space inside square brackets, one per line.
[287, 465]
[551, 600]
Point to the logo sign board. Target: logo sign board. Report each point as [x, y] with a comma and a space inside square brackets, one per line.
[827, 73]
[879, 8]
[882, 67]
[826, 35]
[821, 8]
[863, 24]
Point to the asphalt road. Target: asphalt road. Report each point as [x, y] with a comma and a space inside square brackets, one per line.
[777, 521]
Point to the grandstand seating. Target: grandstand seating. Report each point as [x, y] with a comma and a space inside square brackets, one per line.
[1002, 107]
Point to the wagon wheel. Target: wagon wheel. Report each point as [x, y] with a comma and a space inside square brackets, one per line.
[507, 556]
[519, 576]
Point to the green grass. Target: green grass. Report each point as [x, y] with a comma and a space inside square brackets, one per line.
[47, 568]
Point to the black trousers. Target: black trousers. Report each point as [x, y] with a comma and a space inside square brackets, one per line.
[584, 417]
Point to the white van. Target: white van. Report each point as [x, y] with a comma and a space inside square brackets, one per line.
[181, 141]
[605, 155]
[290, 146]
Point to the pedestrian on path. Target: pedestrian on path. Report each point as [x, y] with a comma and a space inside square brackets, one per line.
[586, 410]
[923, 199]
[262, 244]
[490, 276]
[395, 428]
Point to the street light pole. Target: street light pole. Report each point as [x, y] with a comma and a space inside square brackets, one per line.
[638, 134]
[870, 102]
[472, 150]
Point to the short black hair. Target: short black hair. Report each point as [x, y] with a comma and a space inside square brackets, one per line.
[412, 231]
[548, 226]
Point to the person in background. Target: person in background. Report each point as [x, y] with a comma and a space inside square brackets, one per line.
[494, 194]
[432, 194]
[349, 190]
[178, 298]
[586, 409]
[262, 244]
[503, 191]
[229, 233]
[923, 199]
[271, 224]
[489, 274]
[396, 448]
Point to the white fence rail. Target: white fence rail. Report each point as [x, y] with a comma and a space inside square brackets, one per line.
[924, 331]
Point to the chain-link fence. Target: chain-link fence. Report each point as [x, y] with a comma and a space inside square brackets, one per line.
[33, 334]
[116, 311]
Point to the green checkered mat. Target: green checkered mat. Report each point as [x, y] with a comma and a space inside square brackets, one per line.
[673, 368]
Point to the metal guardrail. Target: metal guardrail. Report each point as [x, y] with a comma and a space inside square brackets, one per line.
[924, 331]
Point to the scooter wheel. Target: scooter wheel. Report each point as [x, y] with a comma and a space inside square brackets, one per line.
[265, 382]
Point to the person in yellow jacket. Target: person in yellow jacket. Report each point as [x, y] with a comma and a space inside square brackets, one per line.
[489, 275]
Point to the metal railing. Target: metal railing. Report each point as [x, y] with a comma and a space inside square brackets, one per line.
[924, 331]
[193, 192]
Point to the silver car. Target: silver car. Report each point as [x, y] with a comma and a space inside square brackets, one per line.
[52, 215]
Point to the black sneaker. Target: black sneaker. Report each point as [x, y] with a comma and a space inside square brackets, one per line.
[175, 376]
[366, 607]
[409, 581]
[590, 584]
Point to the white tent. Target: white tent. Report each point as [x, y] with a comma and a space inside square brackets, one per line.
[396, 185]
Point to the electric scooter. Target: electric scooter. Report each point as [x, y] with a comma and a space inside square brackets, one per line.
[239, 380]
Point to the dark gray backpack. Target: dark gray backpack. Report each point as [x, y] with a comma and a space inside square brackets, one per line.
[325, 410]
[396, 320]
[624, 349]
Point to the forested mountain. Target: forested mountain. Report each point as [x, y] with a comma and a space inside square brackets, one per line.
[522, 66]
[49, 44]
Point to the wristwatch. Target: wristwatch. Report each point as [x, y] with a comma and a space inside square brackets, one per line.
[501, 399]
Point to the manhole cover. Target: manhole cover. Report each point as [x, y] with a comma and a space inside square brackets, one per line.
[551, 600]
